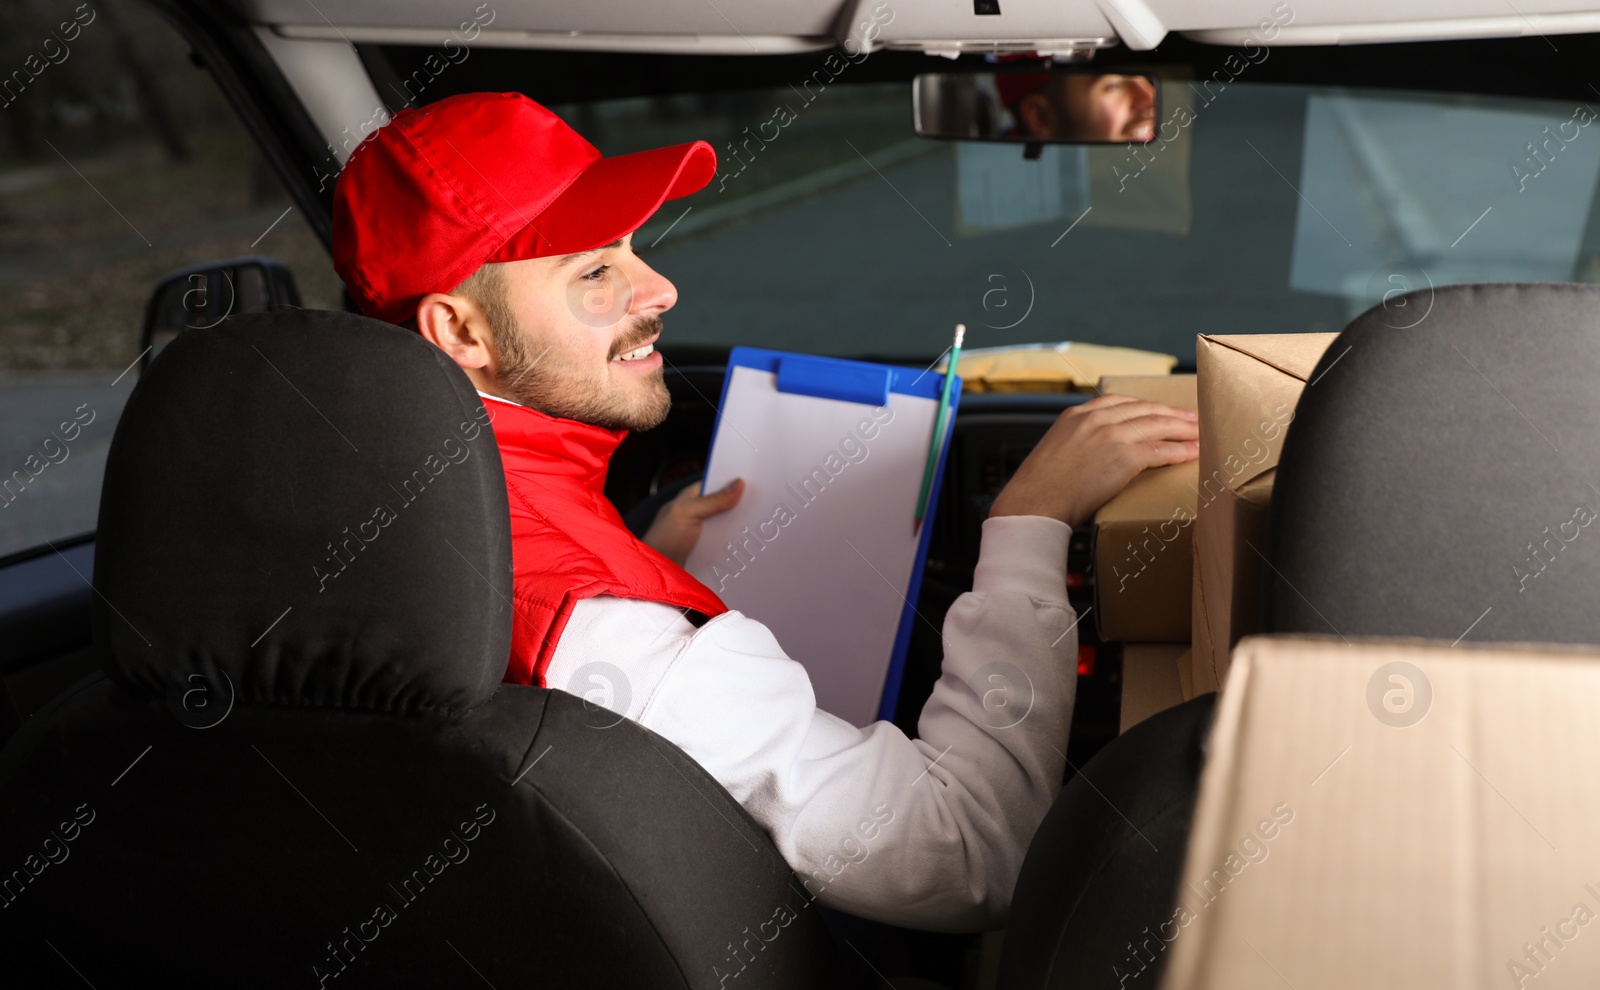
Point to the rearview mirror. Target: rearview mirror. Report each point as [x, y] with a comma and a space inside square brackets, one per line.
[1044, 107]
[202, 296]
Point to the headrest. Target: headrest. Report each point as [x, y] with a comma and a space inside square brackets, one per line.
[1439, 466]
[312, 504]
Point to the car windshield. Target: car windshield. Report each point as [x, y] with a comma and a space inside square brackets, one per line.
[1262, 208]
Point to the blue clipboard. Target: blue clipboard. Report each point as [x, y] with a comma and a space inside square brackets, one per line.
[869, 384]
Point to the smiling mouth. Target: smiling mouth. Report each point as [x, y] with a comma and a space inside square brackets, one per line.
[639, 353]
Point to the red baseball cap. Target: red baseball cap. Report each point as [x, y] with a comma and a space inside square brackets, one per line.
[1013, 86]
[440, 190]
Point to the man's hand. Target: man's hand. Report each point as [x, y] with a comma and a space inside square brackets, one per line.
[676, 528]
[1091, 452]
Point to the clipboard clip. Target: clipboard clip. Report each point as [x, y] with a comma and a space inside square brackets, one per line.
[826, 378]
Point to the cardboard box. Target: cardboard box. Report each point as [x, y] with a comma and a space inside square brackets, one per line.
[1151, 681]
[1249, 385]
[1393, 814]
[1143, 536]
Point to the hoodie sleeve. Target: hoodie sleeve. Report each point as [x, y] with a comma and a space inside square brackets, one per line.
[927, 833]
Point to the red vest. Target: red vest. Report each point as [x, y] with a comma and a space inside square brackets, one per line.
[568, 541]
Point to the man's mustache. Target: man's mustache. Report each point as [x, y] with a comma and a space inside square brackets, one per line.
[642, 330]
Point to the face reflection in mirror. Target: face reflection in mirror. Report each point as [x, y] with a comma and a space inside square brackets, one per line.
[1081, 107]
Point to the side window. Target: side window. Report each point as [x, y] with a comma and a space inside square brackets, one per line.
[120, 161]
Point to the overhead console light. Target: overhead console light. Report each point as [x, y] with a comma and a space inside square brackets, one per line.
[1066, 32]
[1060, 50]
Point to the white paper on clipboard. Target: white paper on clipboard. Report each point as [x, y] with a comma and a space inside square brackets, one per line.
[821, 546]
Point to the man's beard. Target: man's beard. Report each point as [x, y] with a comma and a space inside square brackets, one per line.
[534, 376]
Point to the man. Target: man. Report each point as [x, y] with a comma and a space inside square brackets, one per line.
[1080, 106]
[507, 239]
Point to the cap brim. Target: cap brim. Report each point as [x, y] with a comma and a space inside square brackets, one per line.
[613, 197]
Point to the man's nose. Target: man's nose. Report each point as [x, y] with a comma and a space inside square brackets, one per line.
[653, 293]
[1144, 93]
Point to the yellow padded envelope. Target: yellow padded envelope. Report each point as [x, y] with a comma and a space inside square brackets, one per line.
[1064, 367]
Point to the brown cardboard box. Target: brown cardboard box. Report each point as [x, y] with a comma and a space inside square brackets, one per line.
[1150, 680]
[1185, 666]
[1249, 385]
[1393, 814]
[1142, 537]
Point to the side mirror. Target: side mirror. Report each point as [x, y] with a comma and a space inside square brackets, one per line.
[1063, 106]
[201, 296]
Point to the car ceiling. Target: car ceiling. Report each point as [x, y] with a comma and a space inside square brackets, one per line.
[775, 26]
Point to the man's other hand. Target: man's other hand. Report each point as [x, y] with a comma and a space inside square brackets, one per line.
[676, 528]
[1091, 452]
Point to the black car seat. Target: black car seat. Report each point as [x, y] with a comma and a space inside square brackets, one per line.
[1441, 479]
[9, 719]
[300, 768]
[1102, 871]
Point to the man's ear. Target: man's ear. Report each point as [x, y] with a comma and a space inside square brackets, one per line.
[1037, 115]
[456, 326]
